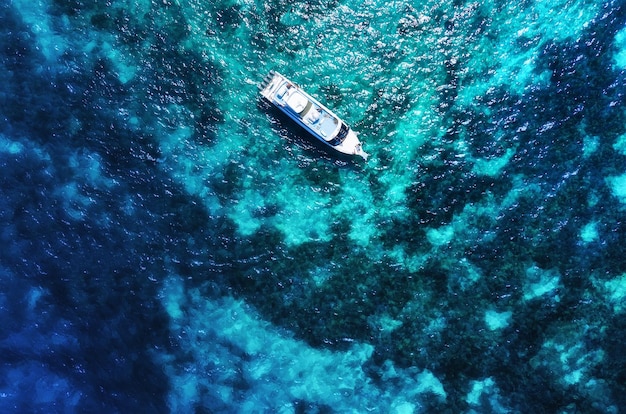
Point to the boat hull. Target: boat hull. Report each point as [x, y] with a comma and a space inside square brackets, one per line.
[313, 117]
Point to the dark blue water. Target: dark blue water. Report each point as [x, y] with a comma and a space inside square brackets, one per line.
[171, 245]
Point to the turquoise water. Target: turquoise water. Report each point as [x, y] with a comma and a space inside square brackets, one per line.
[170, 244]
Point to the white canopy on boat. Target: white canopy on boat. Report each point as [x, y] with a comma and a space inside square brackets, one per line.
[297, 101]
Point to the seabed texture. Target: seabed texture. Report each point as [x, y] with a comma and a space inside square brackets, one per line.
[169, 245]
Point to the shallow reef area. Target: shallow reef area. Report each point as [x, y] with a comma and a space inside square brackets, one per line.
[171, 245]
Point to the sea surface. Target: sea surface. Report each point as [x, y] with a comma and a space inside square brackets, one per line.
[169, 244]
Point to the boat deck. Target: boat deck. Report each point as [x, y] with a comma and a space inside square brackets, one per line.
[312, 114]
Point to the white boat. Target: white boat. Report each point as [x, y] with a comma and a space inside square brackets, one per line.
[306, 111]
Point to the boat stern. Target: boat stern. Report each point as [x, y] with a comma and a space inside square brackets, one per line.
[270, 84]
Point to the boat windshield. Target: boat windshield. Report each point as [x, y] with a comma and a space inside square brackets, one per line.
[341, 135]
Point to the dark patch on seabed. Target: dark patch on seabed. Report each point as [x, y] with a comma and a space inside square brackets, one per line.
[88, 342]
[95, 223]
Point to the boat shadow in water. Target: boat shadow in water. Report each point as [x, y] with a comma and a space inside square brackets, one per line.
[295, 136]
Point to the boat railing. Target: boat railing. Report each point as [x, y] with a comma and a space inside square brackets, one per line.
[266, 80]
